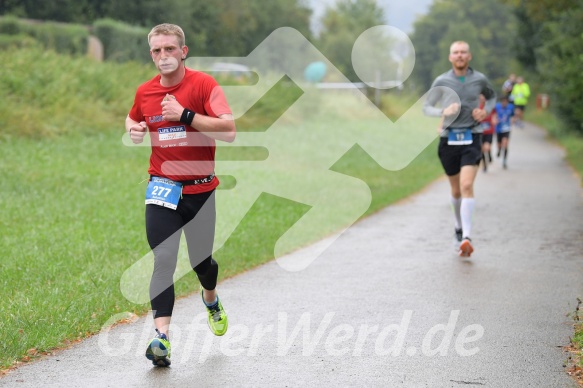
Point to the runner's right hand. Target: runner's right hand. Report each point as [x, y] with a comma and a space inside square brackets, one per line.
[138, 131]
[452, 109]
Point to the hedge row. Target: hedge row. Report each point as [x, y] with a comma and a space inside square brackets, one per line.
[121, 42]
[63, 38]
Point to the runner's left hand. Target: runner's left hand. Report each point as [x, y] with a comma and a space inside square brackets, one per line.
[171, 109]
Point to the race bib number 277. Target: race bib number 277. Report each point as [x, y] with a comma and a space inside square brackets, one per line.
[163, 192]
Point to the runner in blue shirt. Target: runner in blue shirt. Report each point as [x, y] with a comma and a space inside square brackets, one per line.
[505, 117]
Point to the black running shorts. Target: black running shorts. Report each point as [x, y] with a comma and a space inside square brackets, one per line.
[502, 135]
[453, 157]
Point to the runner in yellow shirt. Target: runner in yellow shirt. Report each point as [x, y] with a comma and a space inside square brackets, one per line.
[520, 95]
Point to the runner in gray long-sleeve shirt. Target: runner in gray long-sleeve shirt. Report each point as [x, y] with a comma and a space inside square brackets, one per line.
[461, 136]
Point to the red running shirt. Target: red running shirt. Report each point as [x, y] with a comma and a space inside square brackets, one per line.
[179, 151]
[487, 125]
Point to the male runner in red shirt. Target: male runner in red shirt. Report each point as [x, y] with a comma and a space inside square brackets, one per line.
[184, 111]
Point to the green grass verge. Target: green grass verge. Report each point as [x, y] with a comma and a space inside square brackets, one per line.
[572, 142]
[569, 139]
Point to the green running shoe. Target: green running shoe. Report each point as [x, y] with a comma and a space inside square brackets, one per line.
[158, 350]
[217, 317]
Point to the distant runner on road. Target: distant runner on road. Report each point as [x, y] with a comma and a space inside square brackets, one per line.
[488, 127]
[505, 117]
[460, 146]
[519, 97]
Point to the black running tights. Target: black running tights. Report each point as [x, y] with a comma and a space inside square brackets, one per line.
[196, 216]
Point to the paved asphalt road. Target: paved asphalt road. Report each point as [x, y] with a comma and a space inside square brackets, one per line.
[389, 304]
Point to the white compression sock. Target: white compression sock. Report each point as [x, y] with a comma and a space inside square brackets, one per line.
[467, 211]
[456, 206]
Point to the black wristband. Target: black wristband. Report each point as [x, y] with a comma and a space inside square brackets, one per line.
[187, 116]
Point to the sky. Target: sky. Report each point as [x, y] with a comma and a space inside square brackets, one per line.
[398, 13]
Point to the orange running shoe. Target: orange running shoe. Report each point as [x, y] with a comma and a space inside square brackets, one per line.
[466, 247]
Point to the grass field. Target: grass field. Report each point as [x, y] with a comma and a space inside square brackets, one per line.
[572, 142]
[567, 138]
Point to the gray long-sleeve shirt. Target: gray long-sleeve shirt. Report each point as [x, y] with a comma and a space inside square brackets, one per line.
[468, 90]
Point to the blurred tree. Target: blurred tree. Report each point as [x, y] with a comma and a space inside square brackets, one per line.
[527, 39]
[55, 10]
[243, 24]
[12, 7]
[487, 25]
[218, 28]
[341, 26]
[550, 44]
[560, 64]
